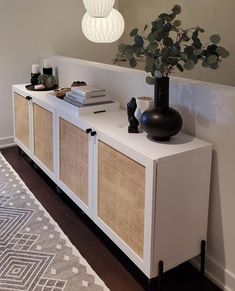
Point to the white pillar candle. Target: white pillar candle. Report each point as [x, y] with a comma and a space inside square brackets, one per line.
[35, 69]
[47, 64]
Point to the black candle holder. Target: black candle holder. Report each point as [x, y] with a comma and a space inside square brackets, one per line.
[34, 78]
[47, 71]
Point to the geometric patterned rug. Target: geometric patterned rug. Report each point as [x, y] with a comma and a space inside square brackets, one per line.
[35, 254]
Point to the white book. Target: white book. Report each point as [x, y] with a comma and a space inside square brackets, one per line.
[87, 91]
[80, 105]
[90, 100]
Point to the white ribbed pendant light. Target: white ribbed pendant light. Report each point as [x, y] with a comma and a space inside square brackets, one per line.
[98, 8]
[103, 30]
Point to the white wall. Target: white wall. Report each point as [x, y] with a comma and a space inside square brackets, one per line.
[30, 29]
[215, 16]
[208, 111]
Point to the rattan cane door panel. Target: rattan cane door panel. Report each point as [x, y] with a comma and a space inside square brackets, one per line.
[74, 157]
[22, 120]
[43, 135]
[121, 196]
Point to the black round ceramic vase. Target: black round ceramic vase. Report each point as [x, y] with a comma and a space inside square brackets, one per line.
[161, 122]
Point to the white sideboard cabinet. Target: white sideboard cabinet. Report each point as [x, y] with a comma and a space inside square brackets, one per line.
[151, 199]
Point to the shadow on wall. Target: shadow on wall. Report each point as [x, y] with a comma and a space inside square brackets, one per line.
[216, 240]
[194, 109]
[199, 108]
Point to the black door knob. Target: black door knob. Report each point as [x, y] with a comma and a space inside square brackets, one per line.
[93, 133]
[28, 98]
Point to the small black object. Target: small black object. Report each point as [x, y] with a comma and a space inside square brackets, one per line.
[160, 273]
[34, 78]
[28, 98]
[203, 257]
[47, 71]
[161, 122]
[134, 123]
[20, 152]
[36, 167]
[93, 133]
[31, 88]
[58, 190]
[88, 130]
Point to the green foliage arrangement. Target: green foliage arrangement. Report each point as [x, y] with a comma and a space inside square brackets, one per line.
[47, 80]
[168, 46]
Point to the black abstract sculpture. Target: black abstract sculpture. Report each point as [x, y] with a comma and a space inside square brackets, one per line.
[134, 123]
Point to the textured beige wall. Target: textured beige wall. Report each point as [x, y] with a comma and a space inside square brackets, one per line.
[215, 16]
[30, 29]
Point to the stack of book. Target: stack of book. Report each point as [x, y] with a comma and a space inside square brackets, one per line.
[86, 96]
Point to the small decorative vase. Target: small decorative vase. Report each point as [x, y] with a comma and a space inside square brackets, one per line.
[161, 122]
[143, 103]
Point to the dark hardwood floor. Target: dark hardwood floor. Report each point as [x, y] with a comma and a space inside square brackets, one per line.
[107, 261]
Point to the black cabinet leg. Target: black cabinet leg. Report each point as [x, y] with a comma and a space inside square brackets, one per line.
[20, 151]
[58, 190]
[35, 166]
[203, 257]
[160, 274]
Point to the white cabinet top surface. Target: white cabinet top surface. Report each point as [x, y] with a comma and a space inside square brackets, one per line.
[45, 96]
[114, 124]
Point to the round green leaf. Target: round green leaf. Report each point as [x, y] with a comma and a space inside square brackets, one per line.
[163, 16]
[122, 47]
[197, 52]
[222, 52]
[212, 59]
[177, 23]
[170, 17]
[214, 66]
[149, 65]
[188, 50]
[167, 27]
[157, 24]
[152, 36]
[134, 32]
[150, 80]
[139, 41]
[183, 56]
[176, 9]
[200, 29]
[133, 63]
[152, 47]
[205, 64]
[189, 65]
[129, 51]
[197, 43]
[193, 58]
[159, 72]
[215, 38]
[168, 41]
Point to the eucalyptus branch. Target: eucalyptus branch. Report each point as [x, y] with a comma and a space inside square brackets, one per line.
[159, 50]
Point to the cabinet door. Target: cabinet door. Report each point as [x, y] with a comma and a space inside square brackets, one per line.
[121, 196]
[21, 108]
[43, 136]
[74, 154]
[123, 201]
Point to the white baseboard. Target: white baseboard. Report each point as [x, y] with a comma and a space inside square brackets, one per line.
[222, 277]
[7, 142]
